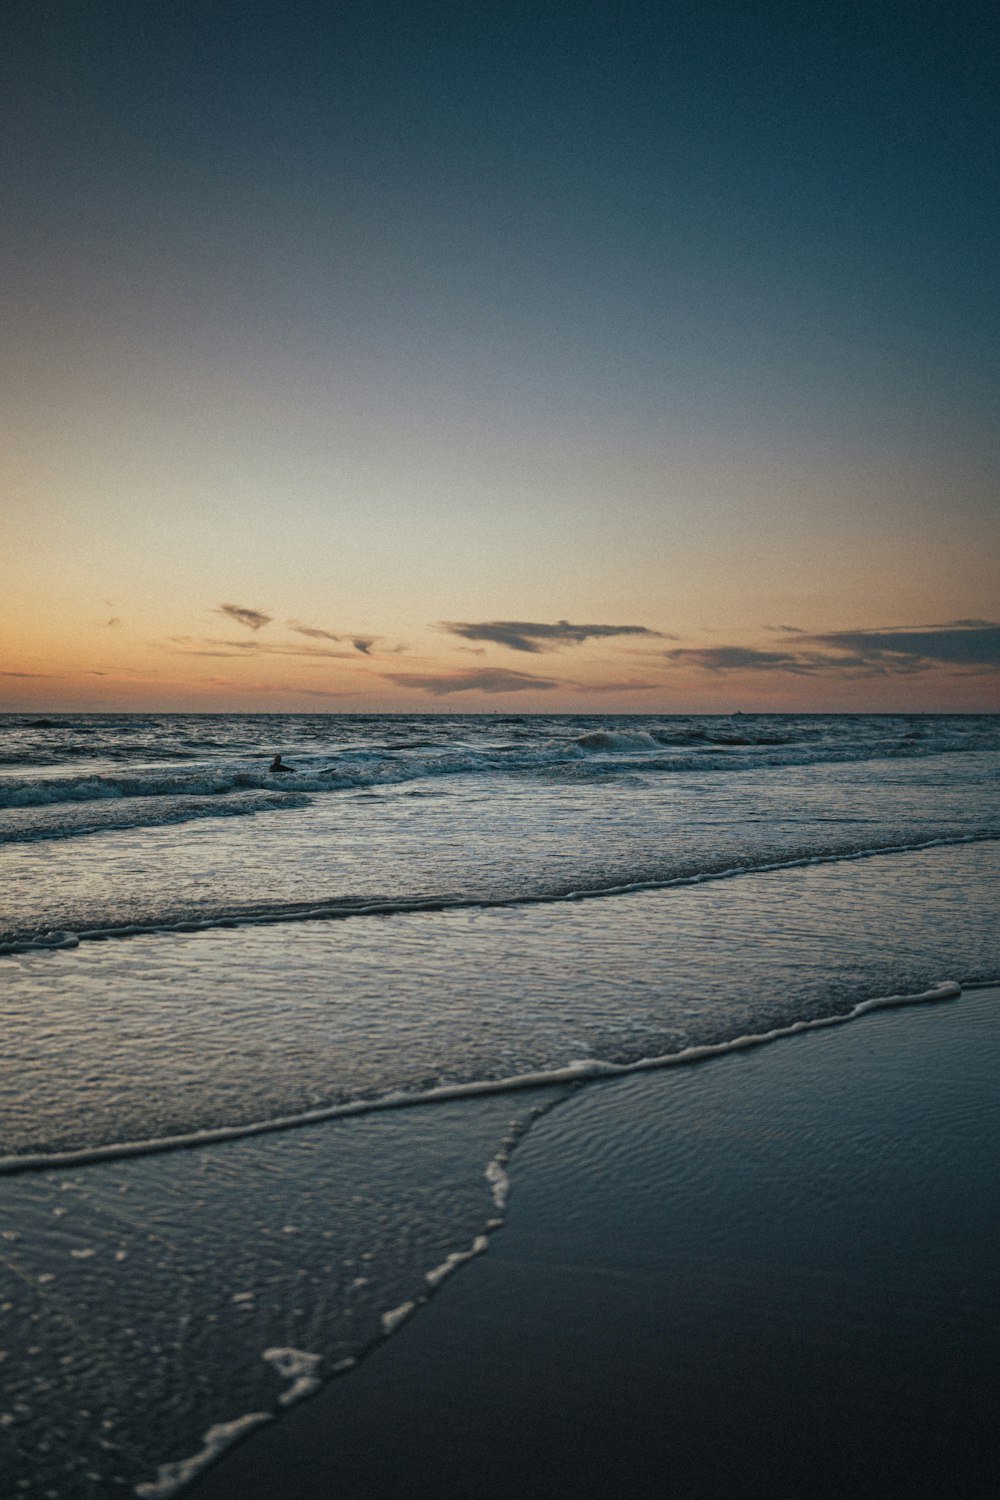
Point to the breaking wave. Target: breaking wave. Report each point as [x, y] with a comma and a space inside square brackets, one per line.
[334, 908]
[190, 767]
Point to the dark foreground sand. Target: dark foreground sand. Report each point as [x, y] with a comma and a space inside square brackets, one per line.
[774, 1274]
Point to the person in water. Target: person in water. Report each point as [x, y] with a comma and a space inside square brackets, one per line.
[277, 766]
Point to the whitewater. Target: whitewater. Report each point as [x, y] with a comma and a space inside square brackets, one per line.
[271, 1040]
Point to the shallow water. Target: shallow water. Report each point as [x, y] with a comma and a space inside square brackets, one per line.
[146, 1302]
[121, 1041]
[428, 902]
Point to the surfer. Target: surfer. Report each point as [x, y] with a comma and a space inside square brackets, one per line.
[277, 766]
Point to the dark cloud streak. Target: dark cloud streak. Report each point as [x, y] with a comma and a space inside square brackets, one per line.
[900, 651]
[534, 636]
[971, 643]
[486, 680]
[211, 647]
[253, 619]
[628, 686]
[361, 643]
[313, 632]
[735, 659]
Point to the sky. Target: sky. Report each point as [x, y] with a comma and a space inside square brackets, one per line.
[549, 357]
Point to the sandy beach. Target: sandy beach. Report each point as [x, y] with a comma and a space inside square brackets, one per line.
[773, 1273]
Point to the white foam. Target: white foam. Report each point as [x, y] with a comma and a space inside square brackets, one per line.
[621, 740]
[457, 1258]
[73, 819]
[392, 1320]
[496, 1176]
[573, 1073]
[297, 1366]
[290, 1363]
[172, 1477]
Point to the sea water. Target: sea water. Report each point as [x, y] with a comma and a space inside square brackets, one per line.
[270, 1040]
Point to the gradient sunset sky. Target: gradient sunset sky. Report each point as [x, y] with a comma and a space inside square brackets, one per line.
[534, 357]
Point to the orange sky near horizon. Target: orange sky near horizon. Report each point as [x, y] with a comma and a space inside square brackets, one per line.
[124, 536]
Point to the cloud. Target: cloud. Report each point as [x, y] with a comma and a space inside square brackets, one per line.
[525, 635]
[964, 643]
[630, 685]
[734, 659]
[313, 631]
[362, 643]
[296, 692]
[196, 651]
[262, 648]
[63, 676]
[211, 647]
[253, 619]
[898, 651]
[484, 680]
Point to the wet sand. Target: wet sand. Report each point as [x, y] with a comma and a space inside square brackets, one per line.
[773, 1273]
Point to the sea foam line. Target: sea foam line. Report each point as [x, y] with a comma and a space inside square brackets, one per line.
[584, 1071]
[333, 911]
[176, 1475]
[304, 1369]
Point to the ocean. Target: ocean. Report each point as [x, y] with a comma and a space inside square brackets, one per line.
[271, 1041]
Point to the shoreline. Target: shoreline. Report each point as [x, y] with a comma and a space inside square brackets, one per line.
[587, 1071]
[770, 1275]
